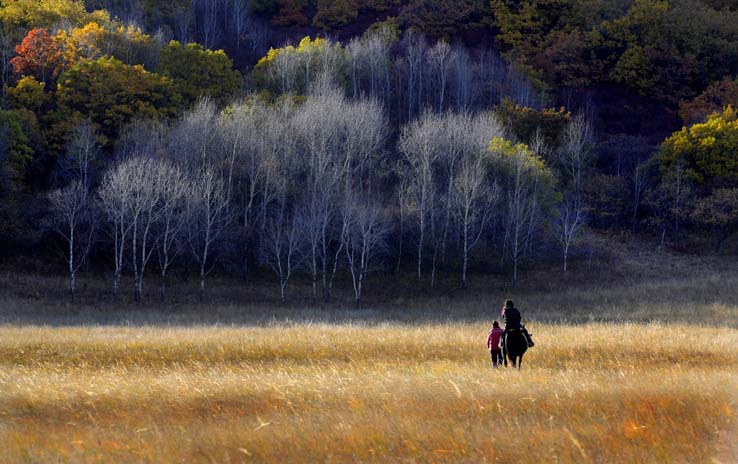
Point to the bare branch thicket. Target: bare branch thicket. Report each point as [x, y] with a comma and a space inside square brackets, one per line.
[456, 139]
[416, 49]
[576, 151]
[363, 137]
[146, 138]
[402, 192]
[463, 80]
[74, 219]
[208, 18]
[238, 17]
[79, 159]
[318, 132]
[283, 72]
[436, 149]
[369, 65]
[419, 148]
[475, 198]
[522, 205]
[142, 202]
[194, 140]
[238, 131]
[337, 139]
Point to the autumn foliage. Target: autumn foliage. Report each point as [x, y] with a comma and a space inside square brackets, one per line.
[39, 55]
[707, 151]
[717, 96]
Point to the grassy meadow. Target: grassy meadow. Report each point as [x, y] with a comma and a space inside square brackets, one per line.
[643, 371]
[388, 392]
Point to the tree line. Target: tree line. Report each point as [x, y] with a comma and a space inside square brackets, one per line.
[393, 150]
[312, 187]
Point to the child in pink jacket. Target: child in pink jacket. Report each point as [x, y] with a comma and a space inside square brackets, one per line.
[493, 343]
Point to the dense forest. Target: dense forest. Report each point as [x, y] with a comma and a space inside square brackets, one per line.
[335, 138]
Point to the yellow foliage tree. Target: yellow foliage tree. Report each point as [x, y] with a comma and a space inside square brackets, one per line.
[708, 150]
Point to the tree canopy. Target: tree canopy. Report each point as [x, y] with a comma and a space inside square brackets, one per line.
[708, 151]
[198, 72]
[111, 94]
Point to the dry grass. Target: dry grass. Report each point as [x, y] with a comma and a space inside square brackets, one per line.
[598, 392]
[636, 361]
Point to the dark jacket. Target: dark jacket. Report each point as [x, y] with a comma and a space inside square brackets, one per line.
[511, 318]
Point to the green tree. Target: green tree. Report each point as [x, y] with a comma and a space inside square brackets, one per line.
[29, 94]
[14, 157]
[15, 152]
[668, 50]
[334, 14]
[111, 94]
[445, 18]
[524, 25]
[606, 199]
[198, 72]
[718, 212]
[525, 122]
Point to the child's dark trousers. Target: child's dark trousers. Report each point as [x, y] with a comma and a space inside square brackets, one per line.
[496, 357]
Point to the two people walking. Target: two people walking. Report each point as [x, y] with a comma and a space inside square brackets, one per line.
[496, 336]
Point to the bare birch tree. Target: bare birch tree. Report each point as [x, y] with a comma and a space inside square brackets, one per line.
[208, 216]
[364, 239]
[81, 153]
[143, 212]
[576, 151]
[475, 198]
[281, 239]
[115, 194]
[74, 219]
[570, 220]
[238, 14]
[527, 184]
[441, 57]
[173, 219]
[414, 60]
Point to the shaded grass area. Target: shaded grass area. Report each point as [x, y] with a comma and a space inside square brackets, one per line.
[706, 299]
[382, 392]
[621, 278]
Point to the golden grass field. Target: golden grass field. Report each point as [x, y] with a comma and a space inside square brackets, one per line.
[386, 392]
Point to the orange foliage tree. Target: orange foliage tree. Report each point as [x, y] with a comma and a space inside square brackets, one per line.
[39, 55]
[716, 97]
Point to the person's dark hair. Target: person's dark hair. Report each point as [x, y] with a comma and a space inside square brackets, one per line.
[509, 304]
[495, 324]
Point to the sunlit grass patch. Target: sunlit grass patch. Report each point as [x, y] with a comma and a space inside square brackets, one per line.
[321, 392]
